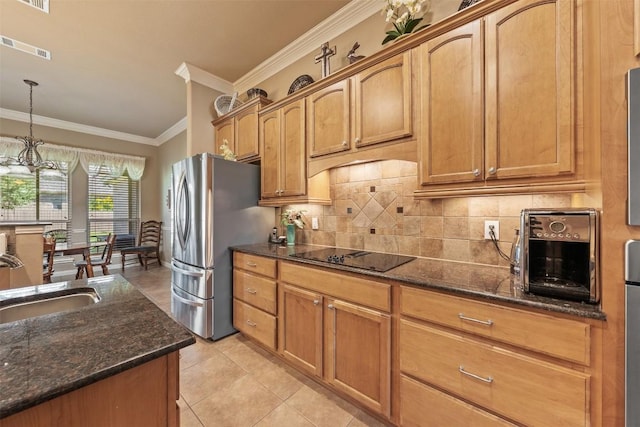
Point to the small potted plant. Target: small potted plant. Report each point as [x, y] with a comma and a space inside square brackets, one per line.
[292, 218]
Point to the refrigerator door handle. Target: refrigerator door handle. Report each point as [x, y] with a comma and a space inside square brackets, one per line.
[186, 272]
[183, 219]
[186, 301]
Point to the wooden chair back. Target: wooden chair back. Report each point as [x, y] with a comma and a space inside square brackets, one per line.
[48, 251]
[150, 232]
[108, 249]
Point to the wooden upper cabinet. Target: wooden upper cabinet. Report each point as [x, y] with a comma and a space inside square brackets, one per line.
[371, 107]
[283, 166]
[452, 144]
[329, 128]
[246, 134]
[529, 95]
[383, 101]
[225, 130]
[240, 129]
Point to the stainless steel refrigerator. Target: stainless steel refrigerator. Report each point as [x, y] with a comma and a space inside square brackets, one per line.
[215, 207]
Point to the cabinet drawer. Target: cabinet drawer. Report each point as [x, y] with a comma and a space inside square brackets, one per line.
[255, 263]
[563, 338]
[255, 290]
[443, 410]
[530, 391]
[255, 323]
[351, 288]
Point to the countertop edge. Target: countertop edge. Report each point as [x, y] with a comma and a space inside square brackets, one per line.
[557, 306]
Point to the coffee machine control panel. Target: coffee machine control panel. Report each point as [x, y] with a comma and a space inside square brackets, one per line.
[574, 228]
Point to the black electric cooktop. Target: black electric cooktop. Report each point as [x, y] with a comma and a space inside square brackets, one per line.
[374, 261]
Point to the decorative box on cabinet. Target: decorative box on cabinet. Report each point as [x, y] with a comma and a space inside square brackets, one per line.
[496, 358]
[283, 166]
[328, 318]
[240, 129]
[360, 113]
[254, 297]
[519, 62]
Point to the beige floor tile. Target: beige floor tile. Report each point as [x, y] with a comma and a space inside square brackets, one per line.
[249, 357]
[283, 415]
[242, 403]
[202, 379]
[362, 419]
[196, 353]
[319, 408]
[187, 417]
[279, 379]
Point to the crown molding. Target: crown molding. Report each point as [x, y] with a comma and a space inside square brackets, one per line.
[174, 130]
[76, 127]
[344, 19]
[192, 73]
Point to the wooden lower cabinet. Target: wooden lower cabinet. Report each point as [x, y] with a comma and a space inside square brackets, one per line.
[255, 323]
[146, 395]
[346, 344]
[528, 390]
[424, 406]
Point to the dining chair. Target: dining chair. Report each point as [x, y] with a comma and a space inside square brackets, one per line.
[148, 243]
[103, 261]
[48, 251]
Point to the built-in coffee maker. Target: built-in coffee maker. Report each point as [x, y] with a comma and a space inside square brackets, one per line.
[559, 253]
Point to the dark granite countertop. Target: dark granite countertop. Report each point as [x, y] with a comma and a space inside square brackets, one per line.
[47, 356]
[465, 279]
[23, 223]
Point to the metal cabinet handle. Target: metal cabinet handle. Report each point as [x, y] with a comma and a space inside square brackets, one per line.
[251, 264]
[492, 170]
[488, 322]
[357, 141]
[250, 323]
[476, 172]
[477, 377]
[251, 291]
[344, 143]
[330, 307]
[316, 302]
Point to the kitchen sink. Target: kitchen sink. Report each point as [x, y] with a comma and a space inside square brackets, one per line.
[46, 304]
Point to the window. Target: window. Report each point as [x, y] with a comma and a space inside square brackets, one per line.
[112, 205]
[40, 196]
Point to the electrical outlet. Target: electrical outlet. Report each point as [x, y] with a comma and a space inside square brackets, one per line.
[314, 223]
[487, 229]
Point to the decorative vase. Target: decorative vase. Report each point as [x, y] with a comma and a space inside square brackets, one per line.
[291, 234]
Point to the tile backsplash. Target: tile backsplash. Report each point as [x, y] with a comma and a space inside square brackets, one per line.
[374, 209]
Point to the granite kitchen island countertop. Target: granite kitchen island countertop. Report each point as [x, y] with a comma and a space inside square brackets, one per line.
[47, 356]
[465, 279]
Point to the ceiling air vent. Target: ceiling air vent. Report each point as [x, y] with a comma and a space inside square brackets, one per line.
[24, 47]
[42, 5]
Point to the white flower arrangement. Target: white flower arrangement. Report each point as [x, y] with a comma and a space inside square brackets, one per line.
[293, 217]
[403, 14]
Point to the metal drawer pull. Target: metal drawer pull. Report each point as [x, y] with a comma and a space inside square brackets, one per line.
[251, 264]
[252, 291]
[330, 307]
[250, 323]
[478, 377]
[471, 319]
[316, 302]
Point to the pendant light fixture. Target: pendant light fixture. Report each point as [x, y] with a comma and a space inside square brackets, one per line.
[29, 157]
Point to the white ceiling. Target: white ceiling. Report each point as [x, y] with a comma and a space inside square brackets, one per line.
[113, 62]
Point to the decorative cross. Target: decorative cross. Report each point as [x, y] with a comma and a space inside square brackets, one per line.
[325, 53]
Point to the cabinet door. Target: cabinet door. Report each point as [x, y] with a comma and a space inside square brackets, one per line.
[224, 131]
[357, 351]
[293, 161]
[270, 163]
[452, 141]
[383, 103]
[329, 119]
[246, 132]
[529, 67]
[300, 317]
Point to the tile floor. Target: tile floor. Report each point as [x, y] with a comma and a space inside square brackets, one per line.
[233, 382]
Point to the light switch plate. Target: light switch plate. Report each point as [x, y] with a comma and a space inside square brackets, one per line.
[496, 229]
[314, 223]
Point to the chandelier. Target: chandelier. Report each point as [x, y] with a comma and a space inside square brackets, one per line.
[29, 156]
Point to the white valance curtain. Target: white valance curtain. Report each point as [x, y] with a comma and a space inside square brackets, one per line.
[117, 164]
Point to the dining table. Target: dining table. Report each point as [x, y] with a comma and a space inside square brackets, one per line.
[80, 248]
